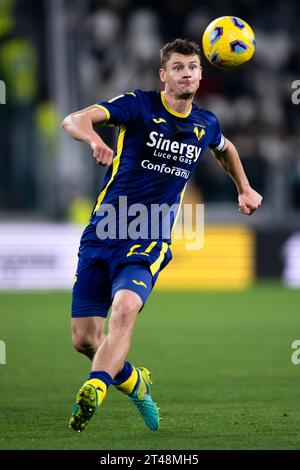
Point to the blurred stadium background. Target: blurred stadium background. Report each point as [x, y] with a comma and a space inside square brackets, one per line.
[57, 56]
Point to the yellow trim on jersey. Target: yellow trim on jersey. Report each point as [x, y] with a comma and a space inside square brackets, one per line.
[107, 113]
[149, 248]
[116, 163]
[154, 267]
[139, 283]
[172, 111]
[177, 215]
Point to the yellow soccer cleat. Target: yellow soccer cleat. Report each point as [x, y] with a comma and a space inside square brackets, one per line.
[88, 399]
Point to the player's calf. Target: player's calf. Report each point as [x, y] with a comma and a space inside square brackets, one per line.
[88, 334]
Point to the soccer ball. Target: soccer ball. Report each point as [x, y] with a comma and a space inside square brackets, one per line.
[228, 42]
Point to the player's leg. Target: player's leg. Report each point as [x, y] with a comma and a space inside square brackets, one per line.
[135, 382]
[88, 334]
[108, 359]
[112, 353]
[90, 304]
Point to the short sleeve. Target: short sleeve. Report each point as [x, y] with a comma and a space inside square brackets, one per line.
[122, 109]
[217, 139]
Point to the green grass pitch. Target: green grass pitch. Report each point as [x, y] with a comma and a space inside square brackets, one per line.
[221, 365]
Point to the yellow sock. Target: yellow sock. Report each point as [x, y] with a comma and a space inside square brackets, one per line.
[128, 386]
[100, 387]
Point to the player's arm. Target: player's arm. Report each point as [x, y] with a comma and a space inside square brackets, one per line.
[79, 126]
[228, 157]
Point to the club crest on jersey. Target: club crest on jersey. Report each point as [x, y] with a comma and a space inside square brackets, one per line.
[199, 134]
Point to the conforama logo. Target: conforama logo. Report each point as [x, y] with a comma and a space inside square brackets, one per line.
[2, 92]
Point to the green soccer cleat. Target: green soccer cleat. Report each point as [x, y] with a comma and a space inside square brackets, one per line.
[142, 399]
[85, 406]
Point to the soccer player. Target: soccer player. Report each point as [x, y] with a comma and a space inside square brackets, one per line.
[161, 138]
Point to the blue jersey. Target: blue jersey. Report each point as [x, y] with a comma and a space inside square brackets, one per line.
[157, 152]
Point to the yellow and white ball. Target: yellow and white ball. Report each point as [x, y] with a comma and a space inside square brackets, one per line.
[228, 42]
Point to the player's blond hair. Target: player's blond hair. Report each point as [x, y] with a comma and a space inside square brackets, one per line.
[180, 46]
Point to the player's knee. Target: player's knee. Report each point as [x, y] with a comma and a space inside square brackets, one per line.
[81, 344]
[125, 310]
[87, 345]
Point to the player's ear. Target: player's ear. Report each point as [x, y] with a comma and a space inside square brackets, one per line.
[162, 75]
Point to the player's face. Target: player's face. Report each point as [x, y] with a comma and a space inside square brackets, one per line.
[182, 75]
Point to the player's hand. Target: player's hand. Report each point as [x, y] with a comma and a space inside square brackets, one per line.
[249, 201]
[102, 153]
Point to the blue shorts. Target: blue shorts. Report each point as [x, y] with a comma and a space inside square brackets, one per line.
[109, 266]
